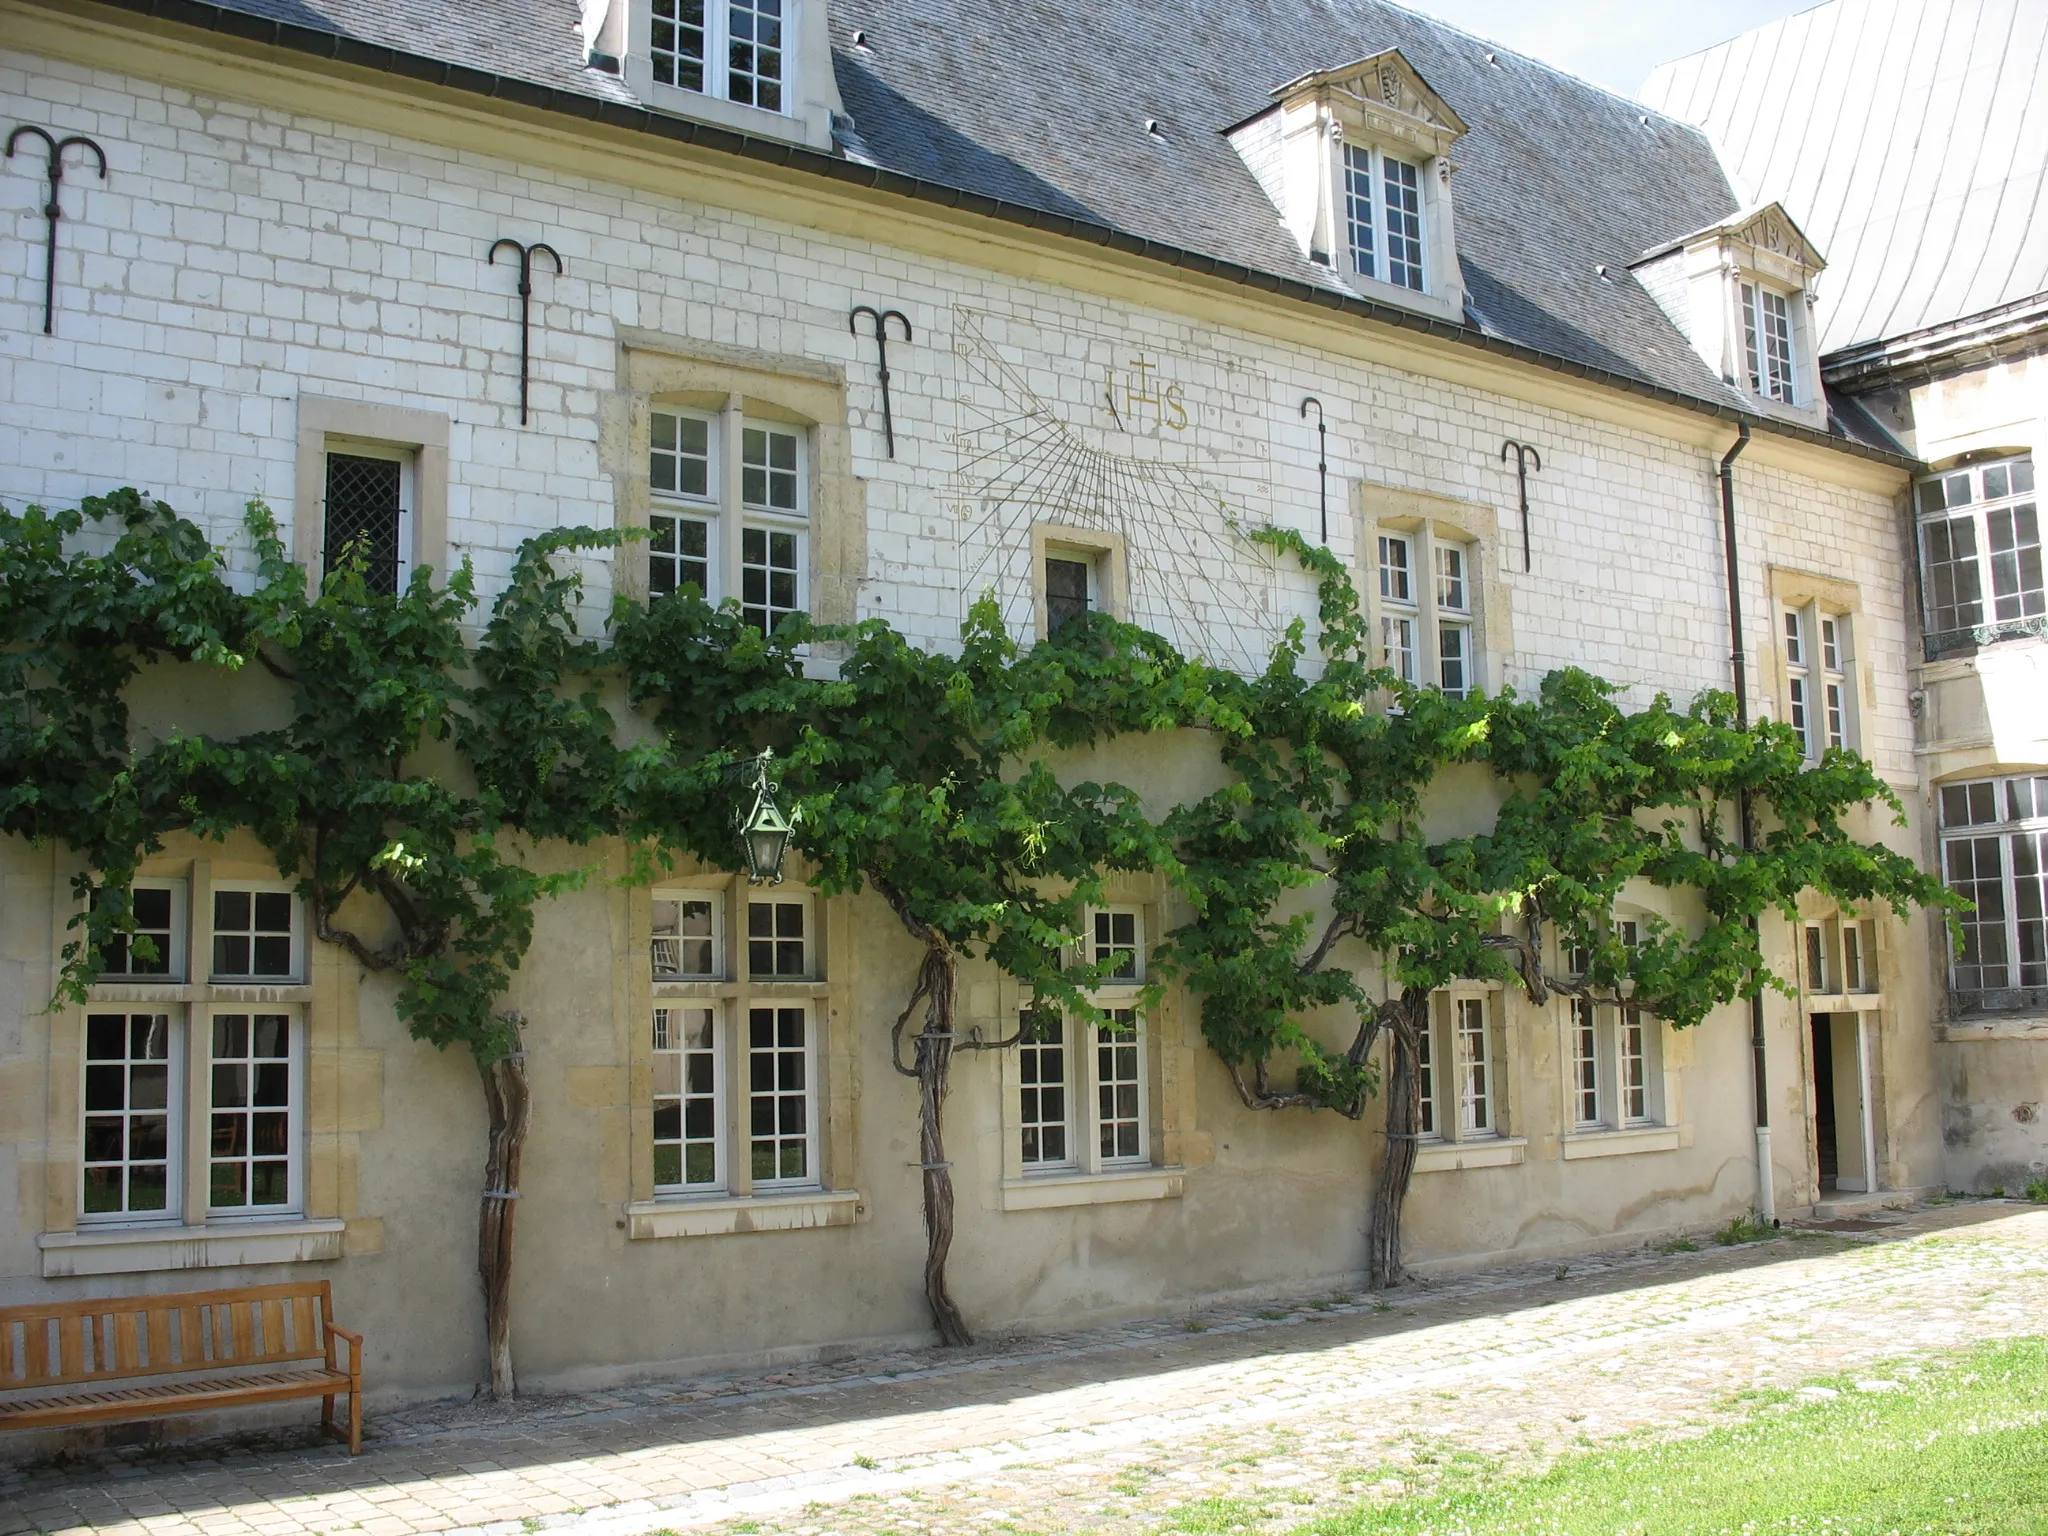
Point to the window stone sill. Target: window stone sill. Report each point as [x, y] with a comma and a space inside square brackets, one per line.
[222, 1245]
[1450, 1156]
[719, 1216]
[1636, 1138]
[1051, 1191]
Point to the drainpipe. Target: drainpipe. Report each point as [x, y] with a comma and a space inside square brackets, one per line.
[1766, 1197]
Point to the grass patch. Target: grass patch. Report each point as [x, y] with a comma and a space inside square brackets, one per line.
[2038, 1191]
[1952, 1450]
[1744, 1229]
[1679, 1245]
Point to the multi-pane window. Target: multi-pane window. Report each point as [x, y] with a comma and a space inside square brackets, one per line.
[1399, 611]
[1614, 1066]
[734, 49]
[200, 1056]
[1384, 231]
[368, 515]
[1120, 1088]
[1457, 1069]
[156, 950]
[688, 1069]
[778, 940]
[1767, 342]
[1819, 662]
[254, 1110]
[682, 474]
[1454, 623]
[1980, 553]
[1994, 845]
[1839, 954]
[690, 519]
[1117, 939]
[1068, 591]
[131, 1116]
[779, 1095]
[1044, 1100]
[687, 937]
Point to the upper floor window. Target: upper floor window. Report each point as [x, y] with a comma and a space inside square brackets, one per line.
[729, 48]
[1427, 609]
[1383, 216]
[369, 499]
[1980, 552]
[693, 527]
[1819, 668]
[1767, 342]
[1994, 848]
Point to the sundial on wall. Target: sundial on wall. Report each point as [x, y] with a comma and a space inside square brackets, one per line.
[1091, 432]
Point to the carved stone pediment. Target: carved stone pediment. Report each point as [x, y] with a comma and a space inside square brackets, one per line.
[1383, 96]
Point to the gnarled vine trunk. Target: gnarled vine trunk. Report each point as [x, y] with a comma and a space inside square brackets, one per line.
[510, 1106]
[1404, 1025]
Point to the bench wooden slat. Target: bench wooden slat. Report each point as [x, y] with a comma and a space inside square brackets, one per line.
[160, 1353]
[305, 1339]
[274, 1345]
[127, 1343]
[243, 1314]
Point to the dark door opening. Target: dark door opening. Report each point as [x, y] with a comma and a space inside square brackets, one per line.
[1824, 1102]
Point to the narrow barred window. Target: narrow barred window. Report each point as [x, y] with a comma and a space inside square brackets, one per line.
[779, 1095]
[365, 515]
[130, 1150]
[1042, 1063]
[686, 1079]
[1119, 1086]
[1425, 1074]
[1632, 1058]
[1586, 1062]
[252, 1131]
[1475, 1063]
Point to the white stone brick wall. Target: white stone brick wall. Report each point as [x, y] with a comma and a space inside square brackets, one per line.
[239, 255]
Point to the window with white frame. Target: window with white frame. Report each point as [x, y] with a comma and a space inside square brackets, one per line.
[690, 521]
[1994, 846]
[1767, 342]
[1616, 1070]
[1400, 608]
[1383, 217]
[368, 511]
[719, 1034]
[201, 1056]
[1820, 699]
[1459, 1068]
[1454, 619]
[735, 49]
[1980, 553]
[1084, 1096]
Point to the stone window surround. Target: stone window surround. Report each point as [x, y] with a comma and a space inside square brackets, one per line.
[1816, 595]
[1108, 553]
[341, 1097]
[1669, 1131]
[738, 383]
[737, 1209]
[1169, 1112]
[1393, 509]
[425, 433]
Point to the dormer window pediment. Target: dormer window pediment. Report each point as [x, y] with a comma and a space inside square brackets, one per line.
[1356, 162]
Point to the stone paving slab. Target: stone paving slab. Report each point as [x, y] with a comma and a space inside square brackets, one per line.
[1324, 1399]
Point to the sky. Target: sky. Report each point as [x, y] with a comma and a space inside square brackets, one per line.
[1614, 43]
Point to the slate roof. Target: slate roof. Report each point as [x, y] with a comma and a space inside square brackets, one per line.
[1044, 104]
[1908, 137]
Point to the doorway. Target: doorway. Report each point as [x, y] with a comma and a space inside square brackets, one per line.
[1844, 1147]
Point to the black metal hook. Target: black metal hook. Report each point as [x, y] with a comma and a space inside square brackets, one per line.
[1322, 462]
[526, 255]
[53, 210]
[1525, 455]
[881, 317]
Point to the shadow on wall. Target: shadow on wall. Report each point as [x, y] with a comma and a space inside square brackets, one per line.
[909, 139]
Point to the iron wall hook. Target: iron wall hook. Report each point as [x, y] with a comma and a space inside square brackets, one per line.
[881, 317]
[1525, 456]
[53, 209]
[1322, 462]
[526, 255]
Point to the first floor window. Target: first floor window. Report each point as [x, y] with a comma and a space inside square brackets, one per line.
[1980, 549]
[1453, 658]
[156, 950]
[770, 576]
[254, 1113]
[1994, 848]
[678, 553]
[687, 1072]
[257, 935]
[1085, 1103]
[131, 1116]
[780, 1113]
[369, 515]
[1457, 1069]
[1475, 1080]
[1397, 645]
[1425, 1073]
[1118, 939]
[687, 936]
[1614, 1066]
[778, 938]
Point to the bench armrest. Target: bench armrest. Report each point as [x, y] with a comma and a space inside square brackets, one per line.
[355, 1347]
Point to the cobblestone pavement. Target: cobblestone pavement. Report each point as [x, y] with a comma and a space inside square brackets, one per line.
[1288, 1407]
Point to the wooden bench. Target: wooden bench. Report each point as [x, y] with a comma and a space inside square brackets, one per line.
[143, 1357]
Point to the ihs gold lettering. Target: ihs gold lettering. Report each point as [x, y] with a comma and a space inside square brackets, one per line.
[1140, 400]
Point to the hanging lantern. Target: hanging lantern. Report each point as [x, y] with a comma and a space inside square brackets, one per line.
[763, 829]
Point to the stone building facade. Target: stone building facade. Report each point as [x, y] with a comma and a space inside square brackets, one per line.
[285, 280]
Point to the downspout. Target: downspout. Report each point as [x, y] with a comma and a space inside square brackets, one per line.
[1766, 1198]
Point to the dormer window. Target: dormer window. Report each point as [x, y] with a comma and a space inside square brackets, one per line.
[1767, 342]
[744, 36]
[1383, 217]
[1357, 163]
[759, 67]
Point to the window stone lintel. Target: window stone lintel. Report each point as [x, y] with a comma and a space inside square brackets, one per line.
[129, 1250]
[723, 1215]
